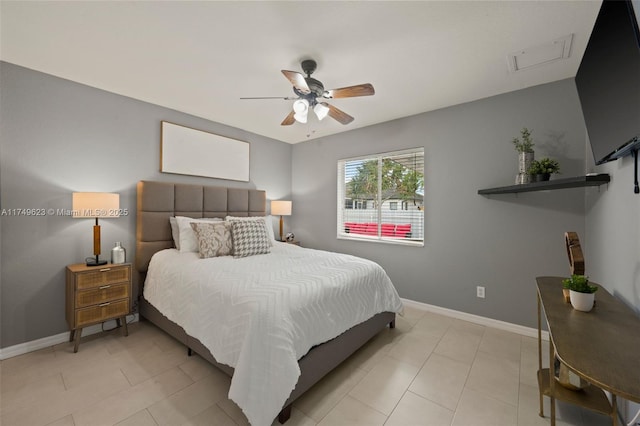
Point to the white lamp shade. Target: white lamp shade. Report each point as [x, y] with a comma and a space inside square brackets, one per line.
[96, 204]
[301, 105]
[281, 208]
[321, 111]
[301, 109]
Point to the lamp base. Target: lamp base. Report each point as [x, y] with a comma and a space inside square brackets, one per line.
[95, 262]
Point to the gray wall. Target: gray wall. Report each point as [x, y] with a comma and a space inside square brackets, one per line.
[501, 242]
[58, 137]
[612, 246]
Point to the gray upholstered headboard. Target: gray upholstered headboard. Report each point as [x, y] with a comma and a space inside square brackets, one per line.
[157, 201]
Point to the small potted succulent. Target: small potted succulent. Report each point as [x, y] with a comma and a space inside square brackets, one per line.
[541, 170]
[581, 293]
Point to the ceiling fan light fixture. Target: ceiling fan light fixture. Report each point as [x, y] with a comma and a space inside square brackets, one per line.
[309, 91]
[301, 109]
[300, 118]
[301, 106]
[321, 111]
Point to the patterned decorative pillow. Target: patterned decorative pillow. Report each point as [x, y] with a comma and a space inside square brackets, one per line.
[187, 240]
[249, 238]
[214, 238]
[268, 223]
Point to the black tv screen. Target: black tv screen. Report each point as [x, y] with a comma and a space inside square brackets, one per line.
[608, 81]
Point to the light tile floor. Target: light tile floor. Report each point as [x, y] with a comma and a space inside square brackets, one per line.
[430, 370]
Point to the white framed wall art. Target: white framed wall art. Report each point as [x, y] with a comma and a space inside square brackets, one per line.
[188, 151]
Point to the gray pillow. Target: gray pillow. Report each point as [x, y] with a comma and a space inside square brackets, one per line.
[249, 238]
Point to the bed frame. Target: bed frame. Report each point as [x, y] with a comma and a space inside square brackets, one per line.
[157, 201]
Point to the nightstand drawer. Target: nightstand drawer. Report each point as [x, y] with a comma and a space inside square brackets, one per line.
[103, 276]
[105, 293]
[102, 312]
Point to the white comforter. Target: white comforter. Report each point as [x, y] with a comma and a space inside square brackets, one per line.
[262, 313]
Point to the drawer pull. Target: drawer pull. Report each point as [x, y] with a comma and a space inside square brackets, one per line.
[105, 304]
[105, 269]
[104, 287]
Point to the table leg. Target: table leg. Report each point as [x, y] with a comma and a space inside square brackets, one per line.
[541, 400]
[76, 344]
[552, 380]
[614, 410]
[125, 329]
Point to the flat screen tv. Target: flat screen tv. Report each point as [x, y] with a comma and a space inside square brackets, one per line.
[608, 81]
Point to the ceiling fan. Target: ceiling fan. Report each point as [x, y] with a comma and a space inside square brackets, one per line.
[311, 94]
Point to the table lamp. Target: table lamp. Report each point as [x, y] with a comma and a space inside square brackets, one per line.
[281, 208]
[95, 205]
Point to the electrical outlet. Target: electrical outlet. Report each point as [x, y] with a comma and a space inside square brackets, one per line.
[480, 292]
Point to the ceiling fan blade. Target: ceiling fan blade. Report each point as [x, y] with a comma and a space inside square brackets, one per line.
[273, 97]
[297, 80]
[337, 114]
[289, 120]
[350, 92]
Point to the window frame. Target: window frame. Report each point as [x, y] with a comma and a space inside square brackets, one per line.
[341, 234]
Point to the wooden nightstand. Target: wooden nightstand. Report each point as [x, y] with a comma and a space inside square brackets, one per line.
[96, 294]
[294, 242]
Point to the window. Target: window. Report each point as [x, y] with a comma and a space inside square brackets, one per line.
[381, 197]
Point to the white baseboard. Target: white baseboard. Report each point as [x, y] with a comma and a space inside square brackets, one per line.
[45, 342]
[477, 319]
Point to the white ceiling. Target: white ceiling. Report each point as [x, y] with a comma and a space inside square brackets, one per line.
[201, 57]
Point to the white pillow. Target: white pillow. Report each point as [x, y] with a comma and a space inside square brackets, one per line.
[187, 240]
[268, 223]
[175, 233]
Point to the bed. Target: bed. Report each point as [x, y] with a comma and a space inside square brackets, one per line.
[314, 346]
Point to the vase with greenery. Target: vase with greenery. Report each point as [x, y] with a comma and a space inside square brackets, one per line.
[581, 293]
[524, 146]
[541, 170]
[526, 143]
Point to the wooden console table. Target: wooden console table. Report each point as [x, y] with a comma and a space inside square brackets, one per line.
[601, 346]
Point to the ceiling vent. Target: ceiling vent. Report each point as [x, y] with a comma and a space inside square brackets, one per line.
[539, 55]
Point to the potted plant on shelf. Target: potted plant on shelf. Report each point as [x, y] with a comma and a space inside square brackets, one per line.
[524, 146]
[541, 170]
[581, 292]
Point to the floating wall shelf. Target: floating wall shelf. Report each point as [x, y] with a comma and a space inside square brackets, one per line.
[572, 182]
